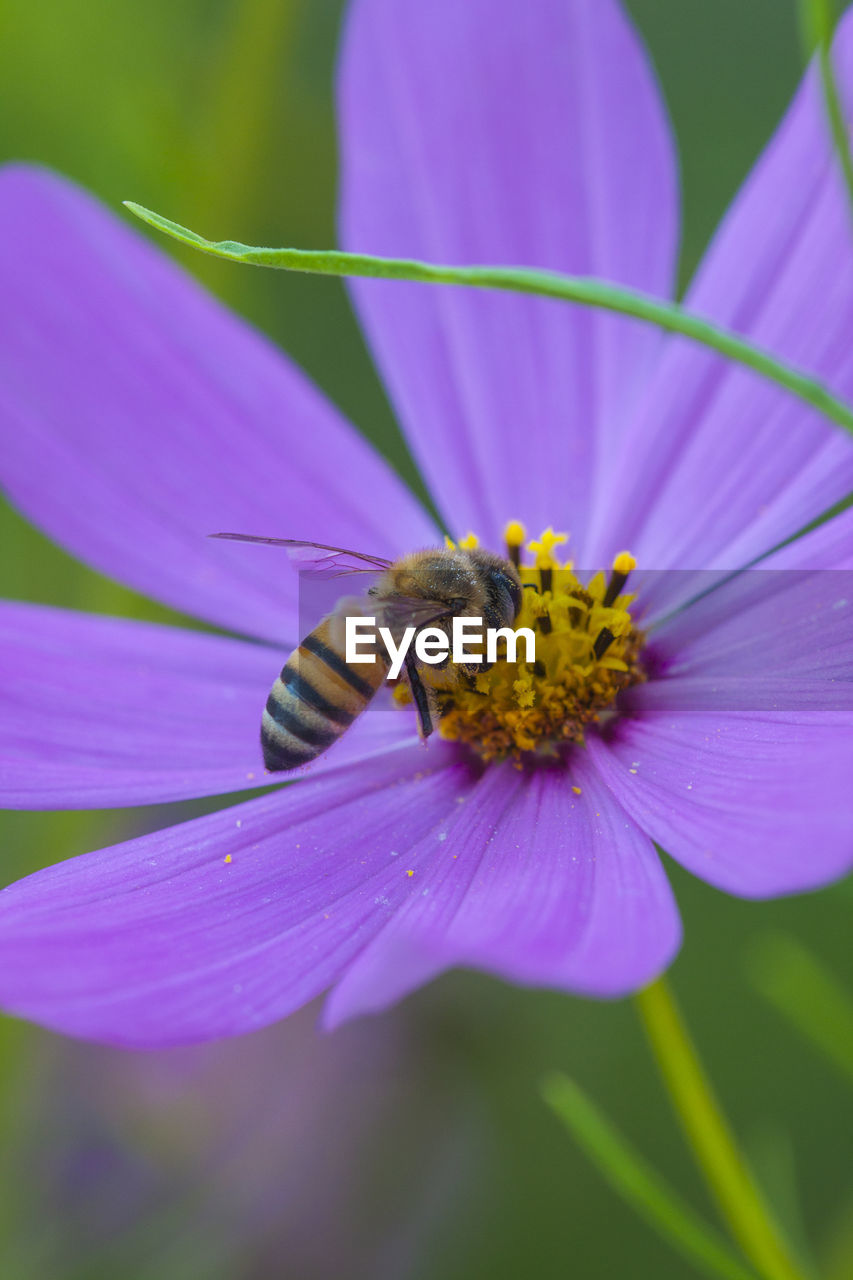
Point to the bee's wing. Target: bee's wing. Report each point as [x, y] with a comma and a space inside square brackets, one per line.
[316, 556]
[397, 612]
[394, 612]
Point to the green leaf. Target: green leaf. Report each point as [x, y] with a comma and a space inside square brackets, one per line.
[770, 1151]
[818, 20]
[812, 999]
[639, 1184]
[579, 289]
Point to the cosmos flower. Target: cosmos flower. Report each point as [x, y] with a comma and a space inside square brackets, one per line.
[139, 416]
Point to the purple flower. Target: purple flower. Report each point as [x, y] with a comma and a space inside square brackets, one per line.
[284, 1144]
[139, 416]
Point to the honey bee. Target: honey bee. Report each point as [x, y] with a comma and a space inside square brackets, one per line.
[319, 694]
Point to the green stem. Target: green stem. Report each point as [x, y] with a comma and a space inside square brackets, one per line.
[820, 20]
[714, 1148]
[668, 316]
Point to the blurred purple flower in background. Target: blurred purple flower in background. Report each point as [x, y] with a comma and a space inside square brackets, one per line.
[139, 416]
[279, 1153]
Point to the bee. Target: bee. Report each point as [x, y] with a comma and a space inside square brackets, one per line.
[319, 694]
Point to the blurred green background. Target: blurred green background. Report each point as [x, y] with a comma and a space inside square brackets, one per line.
[414, 1144]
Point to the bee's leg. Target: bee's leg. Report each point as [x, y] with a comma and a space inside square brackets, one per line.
[419, 694]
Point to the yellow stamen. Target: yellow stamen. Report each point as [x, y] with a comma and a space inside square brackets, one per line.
[543, 548]
[470, 542]
[622, 566]
[587, 652]
[514, 535]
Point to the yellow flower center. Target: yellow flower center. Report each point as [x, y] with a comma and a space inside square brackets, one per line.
[587, 652]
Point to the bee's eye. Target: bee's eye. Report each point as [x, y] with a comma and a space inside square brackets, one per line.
[514, 595]
[509, 588]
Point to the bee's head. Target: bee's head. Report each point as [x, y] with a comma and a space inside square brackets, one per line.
[502, 583]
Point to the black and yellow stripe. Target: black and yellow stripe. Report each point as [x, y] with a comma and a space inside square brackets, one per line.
[316, 697]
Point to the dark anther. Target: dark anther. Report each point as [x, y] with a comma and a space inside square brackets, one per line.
[575, 615]
[614, 587]
[603, 641]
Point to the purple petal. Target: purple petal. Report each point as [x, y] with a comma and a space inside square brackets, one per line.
[719, 465]
[529, 881]
[759, 804]
[226, 923]
[771, 639]
[492, 131]
[738, 760]
[663, 594]
[231, 921]
[828, 547]
[98, 712]
[139, 416]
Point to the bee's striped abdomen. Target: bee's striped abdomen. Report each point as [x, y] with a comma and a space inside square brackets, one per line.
[316, 697]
